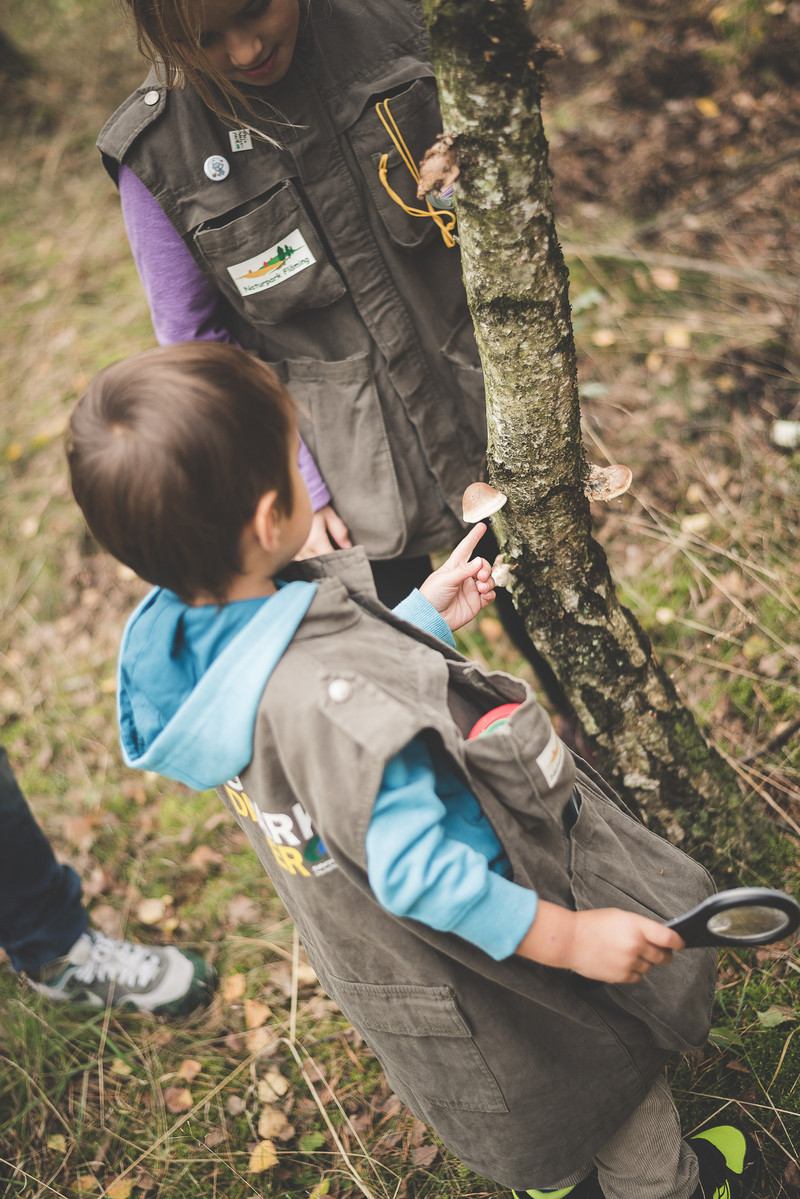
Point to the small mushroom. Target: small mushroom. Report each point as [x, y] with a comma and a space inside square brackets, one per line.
[607, 482]
[480, 500]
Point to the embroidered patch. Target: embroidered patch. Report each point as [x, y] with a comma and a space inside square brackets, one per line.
[240, 139]
[551, 759]
[273, 266]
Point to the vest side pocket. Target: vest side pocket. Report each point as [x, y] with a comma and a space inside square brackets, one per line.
[341, 422]
[423, 1043]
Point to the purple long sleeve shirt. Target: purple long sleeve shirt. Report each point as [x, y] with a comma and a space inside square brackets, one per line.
[184, 305]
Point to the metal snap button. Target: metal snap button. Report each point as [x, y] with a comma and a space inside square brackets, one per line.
[340, 690]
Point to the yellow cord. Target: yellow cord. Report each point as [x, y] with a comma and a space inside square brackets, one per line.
[447, 220]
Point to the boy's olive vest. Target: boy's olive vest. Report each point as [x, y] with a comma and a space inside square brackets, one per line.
[359, 306]
[523, 1070]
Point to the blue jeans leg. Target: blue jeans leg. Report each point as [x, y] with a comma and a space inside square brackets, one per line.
[41, 913]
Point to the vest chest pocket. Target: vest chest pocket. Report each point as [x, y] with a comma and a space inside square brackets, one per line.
[423, 1042]
[416, 113]
[270, 261]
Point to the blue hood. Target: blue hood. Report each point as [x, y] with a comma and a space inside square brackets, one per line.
[189, 680]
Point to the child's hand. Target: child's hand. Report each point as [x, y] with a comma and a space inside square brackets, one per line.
[606, 944]
[326, 533]
[460, 587]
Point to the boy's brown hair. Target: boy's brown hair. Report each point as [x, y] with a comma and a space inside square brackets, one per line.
[169, 453]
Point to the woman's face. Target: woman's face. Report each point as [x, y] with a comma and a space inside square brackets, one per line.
[249, 41]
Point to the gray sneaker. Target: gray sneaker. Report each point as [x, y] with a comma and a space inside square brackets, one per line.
[100, 971]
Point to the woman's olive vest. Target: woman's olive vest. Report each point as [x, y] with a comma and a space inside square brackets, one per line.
[358, 306]
[523, 1070]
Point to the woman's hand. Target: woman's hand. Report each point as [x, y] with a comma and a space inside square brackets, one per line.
[328, 532]
[461, 587]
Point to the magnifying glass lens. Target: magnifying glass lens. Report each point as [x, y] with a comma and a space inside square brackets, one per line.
[748, 922]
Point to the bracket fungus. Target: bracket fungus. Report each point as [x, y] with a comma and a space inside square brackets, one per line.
[480, 501]
[607, 482]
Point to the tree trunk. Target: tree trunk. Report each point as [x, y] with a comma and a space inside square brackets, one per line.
[489, 67]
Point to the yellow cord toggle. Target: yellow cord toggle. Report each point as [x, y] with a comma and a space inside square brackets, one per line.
[447, 220]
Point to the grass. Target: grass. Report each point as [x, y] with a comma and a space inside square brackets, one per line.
[679, 380]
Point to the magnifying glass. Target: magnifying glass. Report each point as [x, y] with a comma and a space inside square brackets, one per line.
[740, 916]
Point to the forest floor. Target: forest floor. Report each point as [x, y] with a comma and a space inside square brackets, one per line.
[674, 131]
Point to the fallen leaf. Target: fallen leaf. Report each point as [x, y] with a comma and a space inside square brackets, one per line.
[604, 337]
[86, 1184]
[256, 1013]
[771, 666]
[311, 1142]
[665, 278]
[775, 1015]
[271, 1122]
[259, 1039]
[178, 1099]
[204, 857]
[262, 1158]
[695, 522]
[150, 911]
[120, 1189]
[791, 1176]
[242, 910]
[189, 1069]
[305, 975]
[425, 1155]
[272, 1086]
[235, 1105]
[58, 1143]
[215, 1137]
[121, 1068]
[320, 1189]
[677, 337]
[233, 988]
[707, 106]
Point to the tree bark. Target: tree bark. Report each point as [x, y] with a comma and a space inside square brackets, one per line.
[489, 67]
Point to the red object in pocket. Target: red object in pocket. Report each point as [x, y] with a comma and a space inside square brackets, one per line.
[492, 720]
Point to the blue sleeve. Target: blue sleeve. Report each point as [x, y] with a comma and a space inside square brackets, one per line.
[418, 611]
[418, 869]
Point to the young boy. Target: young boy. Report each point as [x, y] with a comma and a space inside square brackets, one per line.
[454, 894]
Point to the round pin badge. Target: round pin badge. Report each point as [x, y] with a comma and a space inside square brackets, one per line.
[216, 168]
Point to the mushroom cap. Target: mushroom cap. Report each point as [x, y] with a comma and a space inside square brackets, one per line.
[479, 501]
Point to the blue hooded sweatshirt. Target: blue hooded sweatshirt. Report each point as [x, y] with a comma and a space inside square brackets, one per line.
[190, 681]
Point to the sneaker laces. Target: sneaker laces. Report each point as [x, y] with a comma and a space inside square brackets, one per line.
[132, 966]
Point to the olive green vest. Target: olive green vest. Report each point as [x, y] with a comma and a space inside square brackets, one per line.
[523, 1070]
[359, 306]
